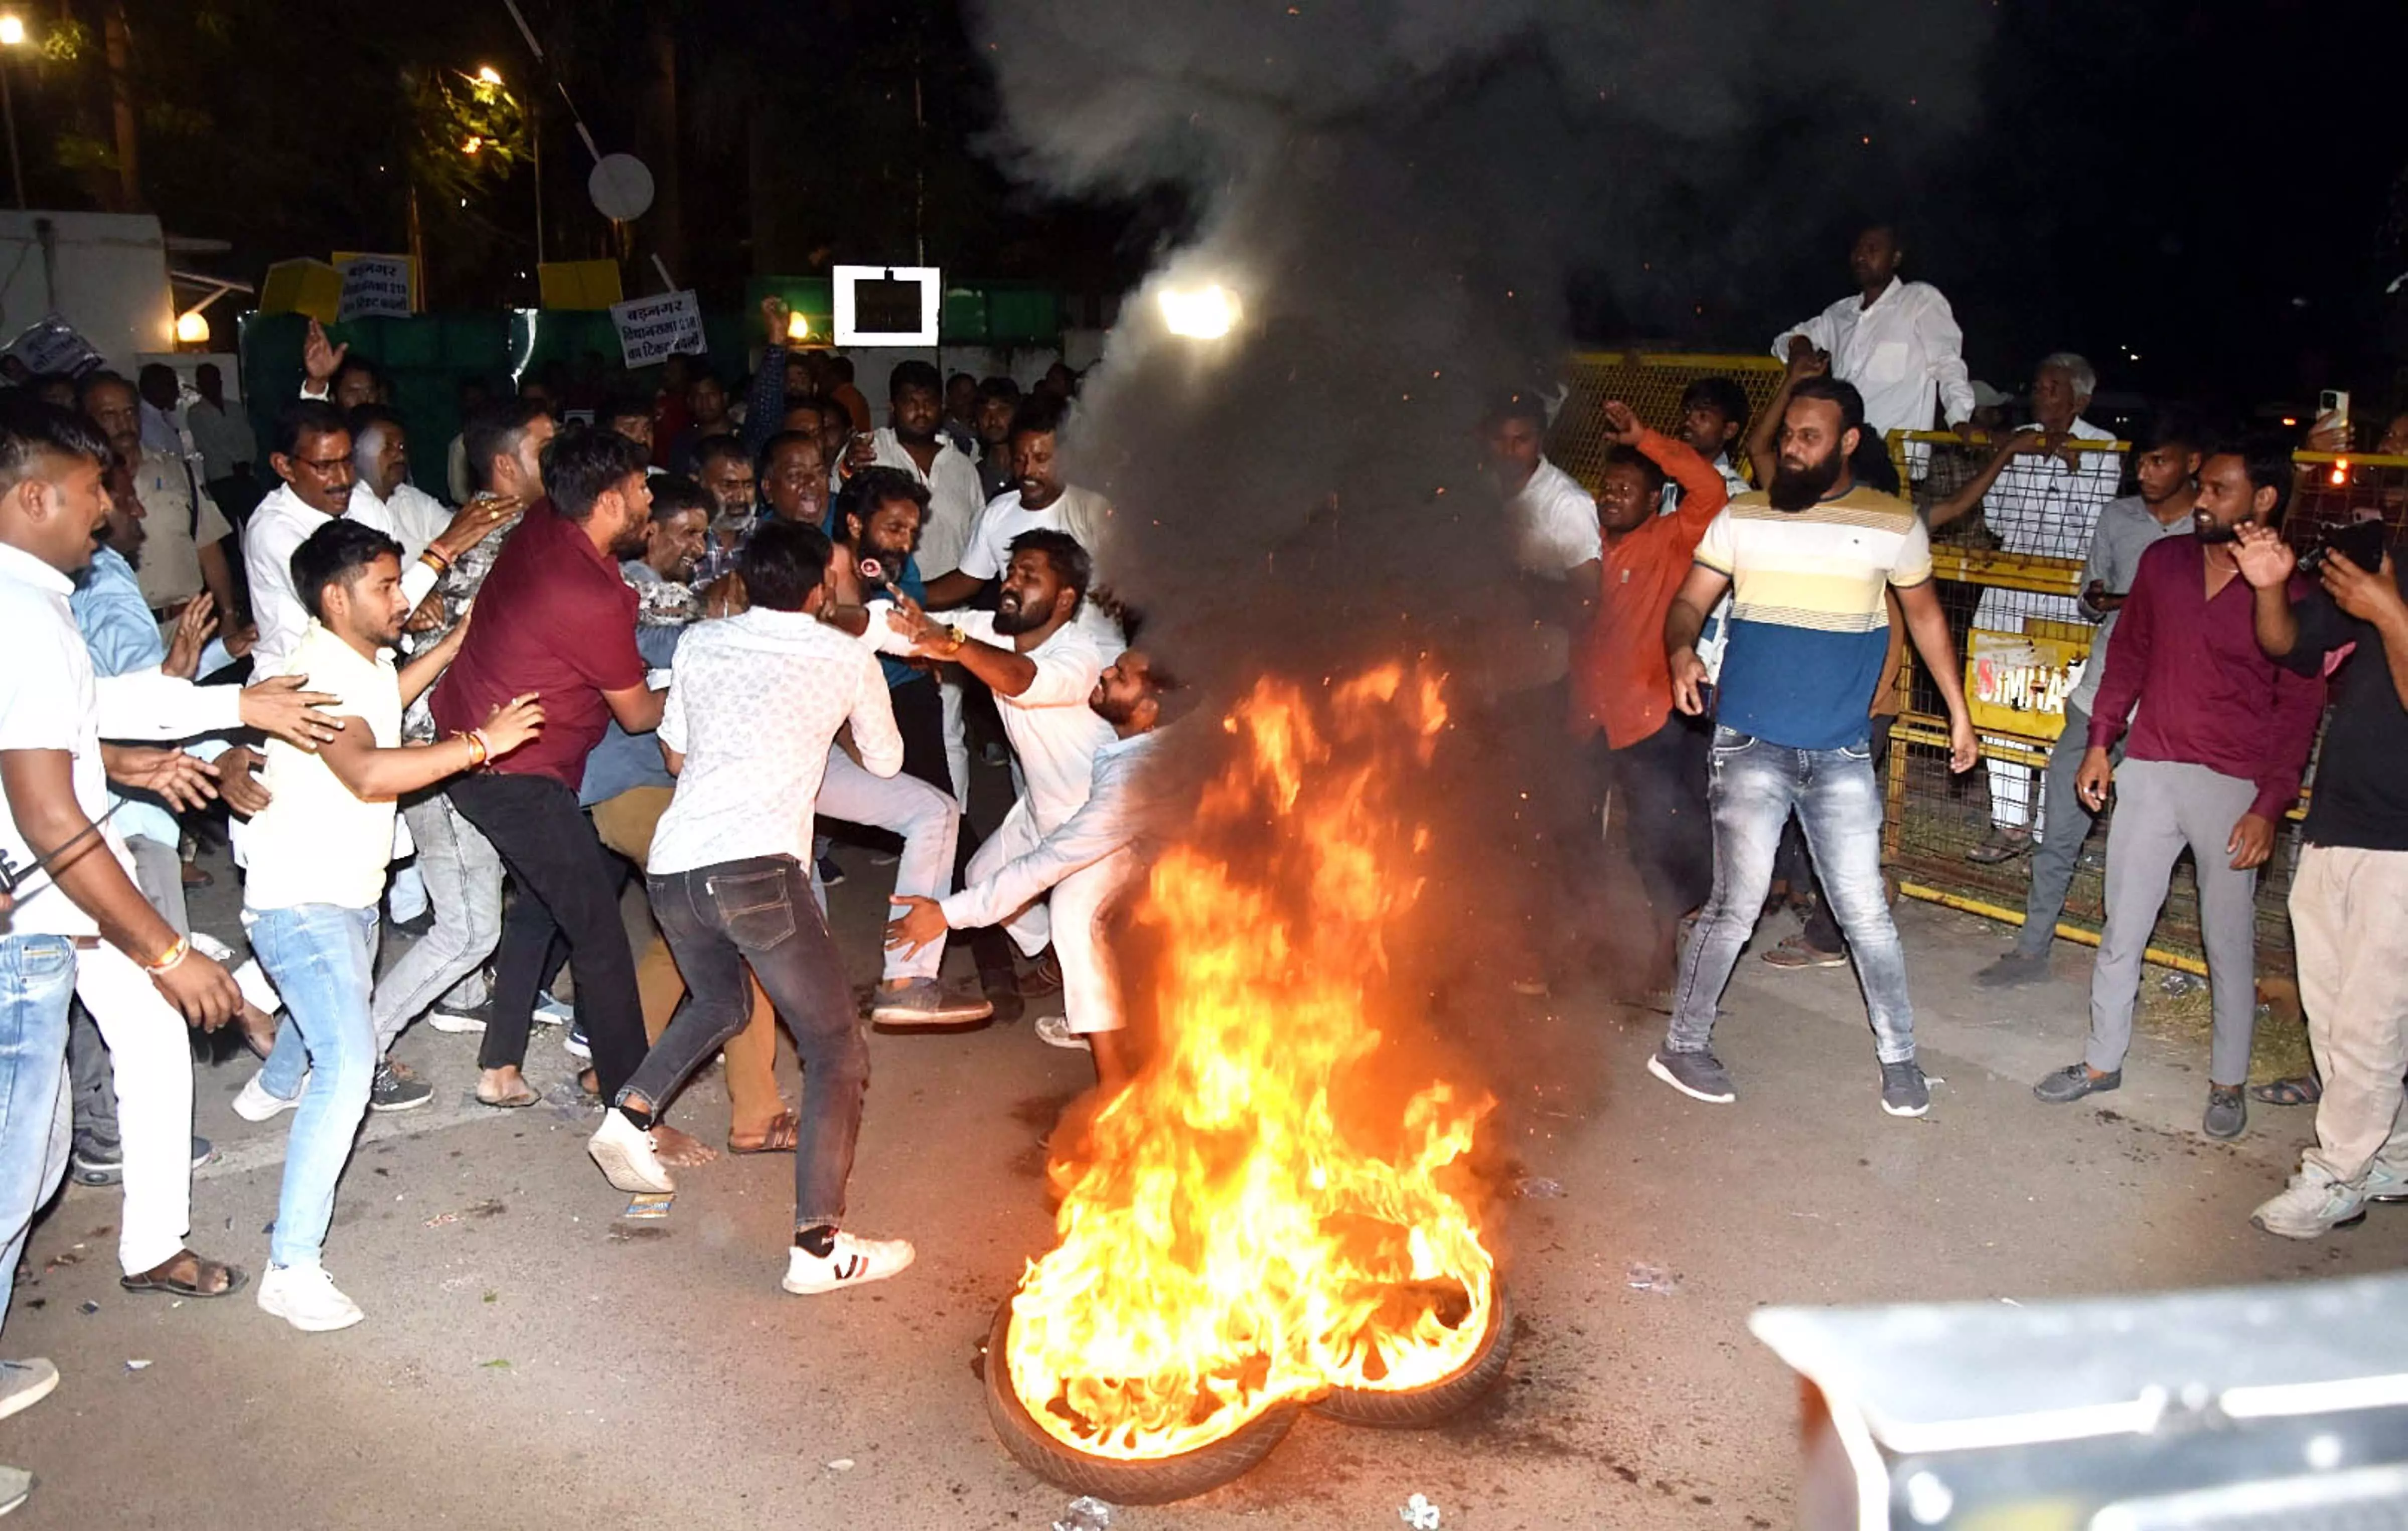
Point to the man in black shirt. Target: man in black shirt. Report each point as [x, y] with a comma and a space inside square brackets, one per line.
[2349, 895]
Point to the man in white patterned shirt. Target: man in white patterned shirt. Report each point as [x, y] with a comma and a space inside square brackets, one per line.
[754, 702]
[2042, 504]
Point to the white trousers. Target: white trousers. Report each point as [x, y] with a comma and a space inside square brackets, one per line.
[958, 741]
[930, 825]
[2016, 796]
[1091, 999]
[149, 1051]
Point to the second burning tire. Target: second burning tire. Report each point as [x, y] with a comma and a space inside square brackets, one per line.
[1123, 1480]
[1414, 1408]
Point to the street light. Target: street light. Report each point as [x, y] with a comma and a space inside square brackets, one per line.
[12, 34]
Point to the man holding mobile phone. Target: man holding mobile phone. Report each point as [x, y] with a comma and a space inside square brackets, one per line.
[2351, 881]
[2219, 738]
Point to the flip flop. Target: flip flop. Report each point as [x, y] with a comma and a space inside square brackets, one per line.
[517, 1100]
[786, 1125]
[151, 1281]
[2300, 1090]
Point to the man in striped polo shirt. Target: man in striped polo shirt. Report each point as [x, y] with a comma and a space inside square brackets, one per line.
[1806, 560]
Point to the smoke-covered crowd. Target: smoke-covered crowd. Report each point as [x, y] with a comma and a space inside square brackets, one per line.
[685, 638]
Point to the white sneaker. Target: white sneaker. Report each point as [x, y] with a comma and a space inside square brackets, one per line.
[1055, 1031]
[461, 1023]
[254, 1104]
[853, 1261]
[25, 1383]
[306, 1298]
[625, 1151]
[2312, 1206]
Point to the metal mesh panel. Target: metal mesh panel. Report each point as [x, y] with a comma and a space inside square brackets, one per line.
[1651, 382]
[2012, 568]
[2339, 490]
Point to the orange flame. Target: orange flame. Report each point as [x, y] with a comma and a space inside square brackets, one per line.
[1245, 1230]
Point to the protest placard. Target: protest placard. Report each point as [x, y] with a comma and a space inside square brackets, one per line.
[651, 330]
[374, 287]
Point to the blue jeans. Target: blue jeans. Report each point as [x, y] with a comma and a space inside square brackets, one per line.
[322, 958]
[1752, 785]
[37, 981]
[759, 913]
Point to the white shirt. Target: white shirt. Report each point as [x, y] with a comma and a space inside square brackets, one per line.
[281, 523]
[754, 702]
[47, 703]
[989, 549]
[1107, 821]
[1052, 729]
[411, 516]
[222, 436]
[1904, 353]
[2041, 507]
[955, 498]
[315, 842]
[1552, 523]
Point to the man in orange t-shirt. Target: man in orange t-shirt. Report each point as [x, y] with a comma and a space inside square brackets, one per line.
[1655, 757]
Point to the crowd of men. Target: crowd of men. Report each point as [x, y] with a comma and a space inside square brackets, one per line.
[679, 636]
[1736, 663]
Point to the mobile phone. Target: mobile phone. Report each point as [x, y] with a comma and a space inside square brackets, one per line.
[2361, 542]
[2334, 402]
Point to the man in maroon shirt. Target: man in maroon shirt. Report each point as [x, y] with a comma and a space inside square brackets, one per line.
[555, 620]
[2213, 762]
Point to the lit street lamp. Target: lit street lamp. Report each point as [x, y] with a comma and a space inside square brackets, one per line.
[12, 34]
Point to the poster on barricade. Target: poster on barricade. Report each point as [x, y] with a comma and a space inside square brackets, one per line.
[52, 345]
[2017, 682]
[651, 330]
[375, 287]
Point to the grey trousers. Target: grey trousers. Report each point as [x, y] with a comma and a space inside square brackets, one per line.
[159, 872]
[2067, 822]
[463, 887]
[2161, 807]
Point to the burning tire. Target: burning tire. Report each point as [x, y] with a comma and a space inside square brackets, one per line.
[1414, 1408]
[1153, 1481]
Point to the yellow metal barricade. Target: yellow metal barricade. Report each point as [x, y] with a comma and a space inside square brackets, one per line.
[2010, 572]
[2015, 685]
[1651, 382]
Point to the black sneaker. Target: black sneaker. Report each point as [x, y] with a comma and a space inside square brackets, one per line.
[576, 1046]
[830, 873]
[395, 1088]
[1698, 1076]
[2075, 1080]
[94, 1162]
[1904, 1090]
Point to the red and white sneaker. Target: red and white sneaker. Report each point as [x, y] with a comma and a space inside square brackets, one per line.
[852, 1262]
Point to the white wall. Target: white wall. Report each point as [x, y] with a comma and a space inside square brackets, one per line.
[106, 274]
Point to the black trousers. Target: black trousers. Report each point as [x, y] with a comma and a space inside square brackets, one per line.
[568, 885]
[1660, 796]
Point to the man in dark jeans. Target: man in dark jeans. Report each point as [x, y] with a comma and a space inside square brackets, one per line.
[554, 619]
[754, 704]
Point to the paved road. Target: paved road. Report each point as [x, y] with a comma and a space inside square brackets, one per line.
[532, 1359]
